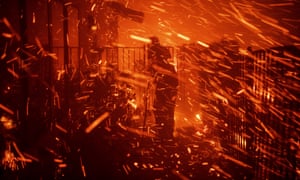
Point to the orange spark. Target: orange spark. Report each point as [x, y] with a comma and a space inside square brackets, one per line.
[183, 37]
[158, 8]
[203, 44]
[138, 38]
[6, 109]
[96, 122]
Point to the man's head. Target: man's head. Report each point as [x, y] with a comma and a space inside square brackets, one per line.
[154, 40]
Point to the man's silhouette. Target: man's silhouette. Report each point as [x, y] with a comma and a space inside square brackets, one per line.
[166, 84]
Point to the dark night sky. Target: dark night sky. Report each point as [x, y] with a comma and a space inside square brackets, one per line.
[259, 23]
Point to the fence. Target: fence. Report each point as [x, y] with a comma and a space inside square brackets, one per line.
[275, 72]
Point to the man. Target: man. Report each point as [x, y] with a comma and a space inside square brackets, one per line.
[166, 84]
